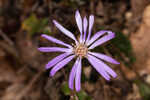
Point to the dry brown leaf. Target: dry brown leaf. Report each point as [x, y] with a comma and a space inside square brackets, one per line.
[141, 43]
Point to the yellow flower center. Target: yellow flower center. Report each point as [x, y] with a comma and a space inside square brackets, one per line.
[81, 50]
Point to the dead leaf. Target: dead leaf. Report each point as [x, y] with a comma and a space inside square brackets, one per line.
[141, 43]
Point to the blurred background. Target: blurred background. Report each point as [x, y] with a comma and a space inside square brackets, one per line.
[22, 66]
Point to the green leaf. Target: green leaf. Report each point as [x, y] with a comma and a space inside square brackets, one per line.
[65, 89]
[122, 42]
[144, 89]
[82, 95]
[124, 46]
[47, 31]
[33, 24]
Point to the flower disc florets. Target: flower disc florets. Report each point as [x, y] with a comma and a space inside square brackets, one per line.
[81, 50]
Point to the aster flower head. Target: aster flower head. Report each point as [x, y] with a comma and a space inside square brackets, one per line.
[80, 50]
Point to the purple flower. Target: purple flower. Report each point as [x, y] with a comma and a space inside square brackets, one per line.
[80, 50]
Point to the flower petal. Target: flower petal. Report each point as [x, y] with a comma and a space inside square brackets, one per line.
[78, 77]
[104, 57]
[85, 24]
[72, 74]
[61, 64]
[95, 62]
[105, 67]
[55, 40]
[56, 60]
[64, 30]
[109, 70]
[54, 49]
[91, 22]
[102, 40]
[79, 23]
[96, 36]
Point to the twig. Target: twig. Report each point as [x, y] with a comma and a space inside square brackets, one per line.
[10, 49]
[29, 86]
[5, 37]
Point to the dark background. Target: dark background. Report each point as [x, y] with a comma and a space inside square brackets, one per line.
[22, 66]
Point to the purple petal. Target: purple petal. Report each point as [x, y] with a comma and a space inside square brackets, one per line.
[78, 77]
[104, 66]
[85, 24]
[104, 57]
[96, 36]
[56, 60]
[55, 40]
[64, 30]
[61, 64]
[54, 49]
[91, 22]
[72, 74]
[79, 22]
[102, 40]
[109, 70]
[95, 62]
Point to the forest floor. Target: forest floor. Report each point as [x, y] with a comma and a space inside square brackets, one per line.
[22, 66]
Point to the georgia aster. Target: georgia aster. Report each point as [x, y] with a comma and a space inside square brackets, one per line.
[80, 50]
